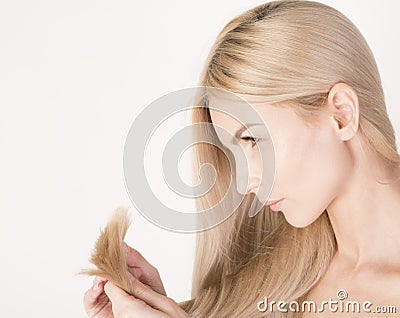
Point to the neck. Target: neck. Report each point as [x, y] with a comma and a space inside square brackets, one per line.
[366, 215]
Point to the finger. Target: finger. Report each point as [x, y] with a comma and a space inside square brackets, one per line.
[114, 293]
[137, 272]
[142, 269]
[97, 282]
[134, 258]
[93, 295]
[122, 303]
[90, 298]
[151, 297]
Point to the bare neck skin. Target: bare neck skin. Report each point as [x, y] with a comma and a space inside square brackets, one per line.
[366, 215]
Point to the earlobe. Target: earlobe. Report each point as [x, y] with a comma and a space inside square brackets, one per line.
[343, 102]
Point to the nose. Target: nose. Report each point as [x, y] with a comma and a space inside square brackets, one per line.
[247, 181]
[248, 171]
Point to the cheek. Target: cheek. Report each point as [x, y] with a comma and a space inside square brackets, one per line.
[309, 174]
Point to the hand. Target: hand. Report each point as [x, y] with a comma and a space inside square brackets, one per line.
[96, 302]
[143, 270]
[144, 302]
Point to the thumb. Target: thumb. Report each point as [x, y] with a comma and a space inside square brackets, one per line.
[147, 294]
[114, 293]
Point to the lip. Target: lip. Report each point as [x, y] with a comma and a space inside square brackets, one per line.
[275, 205]
[270, 202]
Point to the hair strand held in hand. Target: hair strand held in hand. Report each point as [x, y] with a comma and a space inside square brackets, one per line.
[108, 255]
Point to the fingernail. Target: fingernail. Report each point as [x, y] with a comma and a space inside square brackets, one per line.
[96, 286]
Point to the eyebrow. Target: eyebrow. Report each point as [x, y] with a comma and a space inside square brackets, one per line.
[241, 130]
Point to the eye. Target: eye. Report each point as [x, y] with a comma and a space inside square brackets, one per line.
[253, 140]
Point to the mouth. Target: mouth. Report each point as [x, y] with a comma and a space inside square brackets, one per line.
[272, 202]
[275, 205]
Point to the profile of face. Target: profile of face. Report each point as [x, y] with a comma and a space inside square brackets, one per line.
[312, 162]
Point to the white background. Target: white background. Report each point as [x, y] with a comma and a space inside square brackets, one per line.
[73, 76]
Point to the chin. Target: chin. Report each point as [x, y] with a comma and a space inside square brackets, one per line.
[298, 221]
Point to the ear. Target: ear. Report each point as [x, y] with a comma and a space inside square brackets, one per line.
[343, 104]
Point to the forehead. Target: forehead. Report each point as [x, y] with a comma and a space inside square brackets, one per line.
[235, 111]
[266, 113]
[239, 115]
[224, 118]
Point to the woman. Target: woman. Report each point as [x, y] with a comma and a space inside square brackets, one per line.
[337, 168]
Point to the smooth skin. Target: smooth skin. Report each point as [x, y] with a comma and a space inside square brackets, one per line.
[322, 167]
[149, 299]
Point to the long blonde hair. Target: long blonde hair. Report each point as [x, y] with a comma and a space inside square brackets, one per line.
[292, 52]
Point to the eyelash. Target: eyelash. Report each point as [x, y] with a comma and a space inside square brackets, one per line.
[254, 140]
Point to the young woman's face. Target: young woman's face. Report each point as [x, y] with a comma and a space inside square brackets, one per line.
[311, 162]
